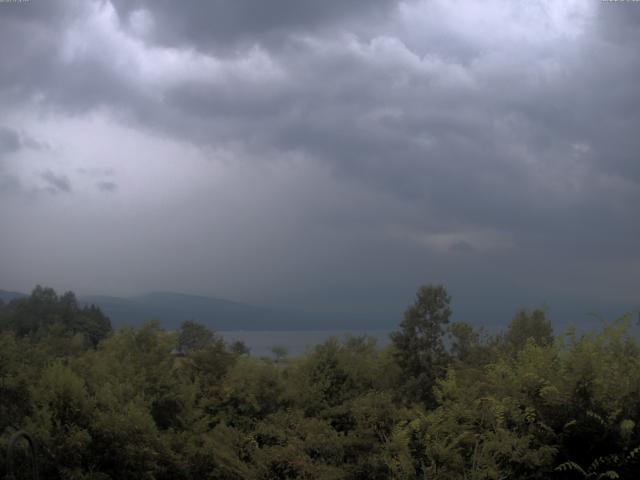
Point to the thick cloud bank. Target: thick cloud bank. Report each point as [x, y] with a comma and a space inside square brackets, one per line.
[331, 155]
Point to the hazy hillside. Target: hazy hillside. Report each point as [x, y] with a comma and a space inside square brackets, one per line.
[6, 296]
[172, 308]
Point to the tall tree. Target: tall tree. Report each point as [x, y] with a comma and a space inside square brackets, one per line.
[194, 336]
[527, 326]
[420, 350]
[44, 312]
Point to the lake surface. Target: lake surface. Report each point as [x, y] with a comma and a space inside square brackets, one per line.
[297, 342]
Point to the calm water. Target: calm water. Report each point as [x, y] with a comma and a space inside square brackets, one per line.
[296, 341]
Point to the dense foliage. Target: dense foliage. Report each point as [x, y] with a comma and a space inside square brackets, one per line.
[443, 400]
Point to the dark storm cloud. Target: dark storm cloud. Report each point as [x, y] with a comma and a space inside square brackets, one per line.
[549, 159]
[9, 143]
[12, 142]
[9, 140]
[220, 24]
[33, 63]
[56, 183]
[108, 187]
[9, 184]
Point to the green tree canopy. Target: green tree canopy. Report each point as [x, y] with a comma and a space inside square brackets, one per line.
[527, 326]
[193, 336]
[420, 348]
[44, 310]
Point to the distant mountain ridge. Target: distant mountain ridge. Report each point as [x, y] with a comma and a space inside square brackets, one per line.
[171, 309]
[7, 296]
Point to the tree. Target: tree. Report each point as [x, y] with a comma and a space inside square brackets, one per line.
[193, 336]
[420, 349]
[280, 353]
[528, 326]
[464, 340]
[239, 348]
[46, 314]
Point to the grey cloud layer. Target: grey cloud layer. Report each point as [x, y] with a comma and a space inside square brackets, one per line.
[527, 146]
[219, 24]
[12, 142]
[56, 183]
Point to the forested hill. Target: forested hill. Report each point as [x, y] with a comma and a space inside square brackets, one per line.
[6, 296]
[172, 308]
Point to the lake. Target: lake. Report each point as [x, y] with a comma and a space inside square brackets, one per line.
[296, 341]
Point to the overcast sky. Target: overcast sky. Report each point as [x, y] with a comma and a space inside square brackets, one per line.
[330, 155]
